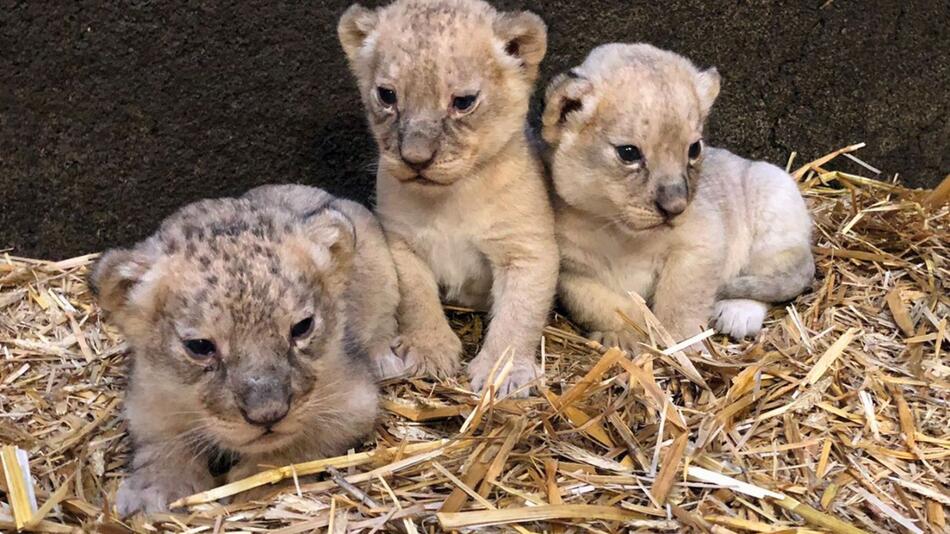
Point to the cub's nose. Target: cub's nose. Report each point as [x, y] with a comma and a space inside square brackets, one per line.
[671, 199]
[266, 416]
[417, 161]
[264, 401]
[418, 151]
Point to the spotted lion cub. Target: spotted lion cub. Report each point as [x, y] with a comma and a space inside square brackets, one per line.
[644, 206]
[460, 192]
[249, 322]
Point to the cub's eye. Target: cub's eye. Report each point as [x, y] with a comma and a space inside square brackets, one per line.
[695, 149]
[302, 328]
[200, 348]
[386, 96]
[464, 103]
[629, 153]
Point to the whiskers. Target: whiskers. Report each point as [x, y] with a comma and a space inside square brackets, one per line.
[615, 220]
[633, 218]
[193, 442]
[323, 417]
[327, 407]
[186, 412]
[371, 167]
[324, 397]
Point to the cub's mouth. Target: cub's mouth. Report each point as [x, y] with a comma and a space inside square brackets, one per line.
[267, 438]
[419, 179]
[652, 223]
[424, 177]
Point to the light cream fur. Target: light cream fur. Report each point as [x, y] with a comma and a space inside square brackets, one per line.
[240, 273]
[473, 221]
[742, 241]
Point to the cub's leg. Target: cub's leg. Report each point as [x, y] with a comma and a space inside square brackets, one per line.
[776, 275]
[596, 307]
[524, 279]
[780, 265]
[686, 290]
[157, 478]
[426, 342]
[739, 318]
[777, 272]
[373, 292]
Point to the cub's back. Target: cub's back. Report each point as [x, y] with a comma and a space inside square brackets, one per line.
[755, 200]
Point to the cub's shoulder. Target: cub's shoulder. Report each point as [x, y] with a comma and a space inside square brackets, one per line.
[727, 169]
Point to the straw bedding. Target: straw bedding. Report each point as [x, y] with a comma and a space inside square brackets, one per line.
[834, 420]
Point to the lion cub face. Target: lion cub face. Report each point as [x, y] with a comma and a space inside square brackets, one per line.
[625, 130]
[445, 83]
[236, 310]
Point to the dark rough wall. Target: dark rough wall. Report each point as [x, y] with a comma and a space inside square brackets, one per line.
[114, 114]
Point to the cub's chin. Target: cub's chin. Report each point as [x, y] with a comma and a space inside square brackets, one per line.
[428, 181]
[244, 438]
[266, 441]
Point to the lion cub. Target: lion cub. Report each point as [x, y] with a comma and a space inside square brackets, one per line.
[249, 323]
[460, 193]
[645, 206]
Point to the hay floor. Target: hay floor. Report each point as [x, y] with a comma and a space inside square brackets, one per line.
[834, 420]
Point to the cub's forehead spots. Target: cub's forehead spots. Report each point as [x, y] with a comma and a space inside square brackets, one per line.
[438, 18]
[231, 264]
[447, 38]
[252, 290]
[647, 105]
[404, 54]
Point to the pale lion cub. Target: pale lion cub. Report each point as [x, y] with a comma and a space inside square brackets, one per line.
[460, 193]
[249, 323]
[646, 207]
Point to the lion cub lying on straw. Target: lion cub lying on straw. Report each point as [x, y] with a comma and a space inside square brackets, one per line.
[239, 314]
[644, 206]
[446, 85]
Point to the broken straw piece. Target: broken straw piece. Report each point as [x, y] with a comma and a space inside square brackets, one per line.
[711, 477]
[19, 483]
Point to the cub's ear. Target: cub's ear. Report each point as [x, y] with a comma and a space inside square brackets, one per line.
[329, 243]
[114, 276]
[565, 98]
[526, 38]
[355, 26]
[707, 86]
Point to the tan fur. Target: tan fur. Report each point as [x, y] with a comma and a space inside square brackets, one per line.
[372, 314]
[475, 221]
[241, 273]
[715, 236]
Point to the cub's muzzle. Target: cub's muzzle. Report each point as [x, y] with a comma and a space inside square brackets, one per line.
[264, 400]
[672, 199]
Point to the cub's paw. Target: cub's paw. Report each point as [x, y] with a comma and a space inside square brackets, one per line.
[739, 318]
[148, 491]
[386, 364]
[429, 353]
[517, 385]
[624, 339]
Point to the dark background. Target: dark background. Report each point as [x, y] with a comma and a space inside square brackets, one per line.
[113, 114]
